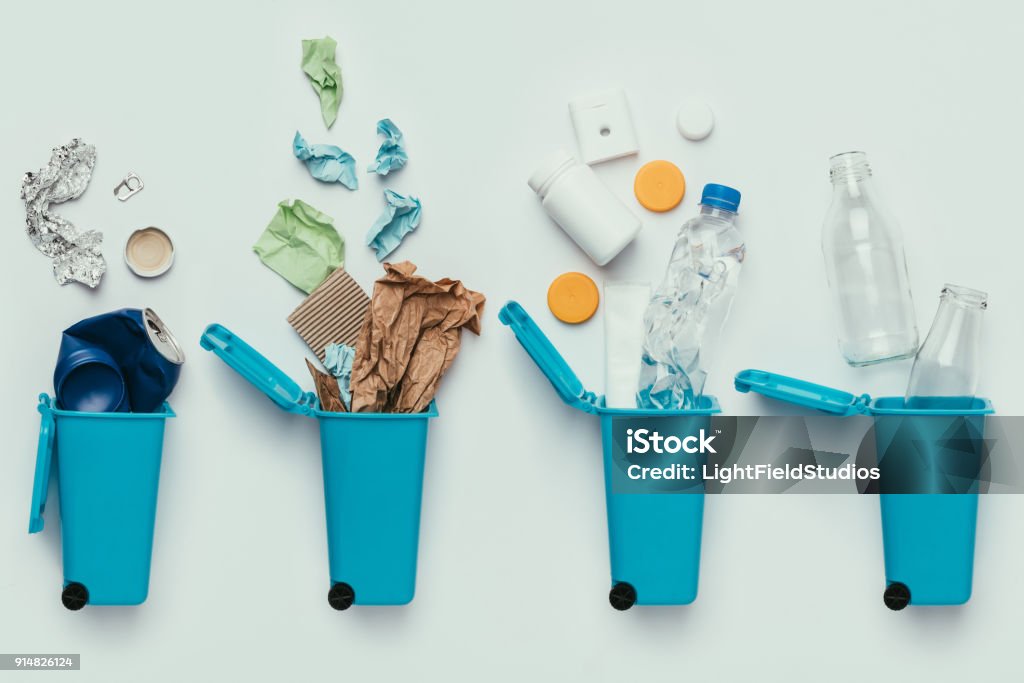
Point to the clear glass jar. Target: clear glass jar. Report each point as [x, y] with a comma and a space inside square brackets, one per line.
[867, 269]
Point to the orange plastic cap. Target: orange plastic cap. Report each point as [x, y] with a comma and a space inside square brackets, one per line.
[573, 297]
[659, 186]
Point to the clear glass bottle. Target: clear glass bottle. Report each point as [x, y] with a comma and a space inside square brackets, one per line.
[949, 362]
[867, 269]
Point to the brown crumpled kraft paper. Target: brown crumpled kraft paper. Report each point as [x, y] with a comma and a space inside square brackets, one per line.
[409, 338]
[327, 390]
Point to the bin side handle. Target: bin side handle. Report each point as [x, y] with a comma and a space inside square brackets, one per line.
[44, 458]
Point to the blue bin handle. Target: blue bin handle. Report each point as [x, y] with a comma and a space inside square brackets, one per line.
[44, 457]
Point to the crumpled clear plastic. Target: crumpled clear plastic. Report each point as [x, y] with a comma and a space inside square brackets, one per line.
[76, 255]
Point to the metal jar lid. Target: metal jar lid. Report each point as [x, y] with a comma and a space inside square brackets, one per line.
[149, 252]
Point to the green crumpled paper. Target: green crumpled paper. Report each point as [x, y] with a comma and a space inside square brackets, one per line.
[301, 245]
[324, 74]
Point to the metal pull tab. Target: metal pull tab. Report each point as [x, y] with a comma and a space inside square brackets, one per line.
[129, 187]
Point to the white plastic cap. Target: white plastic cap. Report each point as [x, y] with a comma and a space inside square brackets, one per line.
[695, 120]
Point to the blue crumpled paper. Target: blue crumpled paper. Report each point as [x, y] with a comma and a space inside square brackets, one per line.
[401, 217]
[338, 361]
[392, 155]
[327, 163]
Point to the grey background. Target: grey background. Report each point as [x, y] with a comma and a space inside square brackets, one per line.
[202, 100]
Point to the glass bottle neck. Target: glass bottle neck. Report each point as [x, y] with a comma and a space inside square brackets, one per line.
[850, 173]
[965, 297]
[957, 322]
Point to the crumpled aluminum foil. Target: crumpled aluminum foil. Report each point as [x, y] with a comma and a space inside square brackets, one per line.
[76, 255]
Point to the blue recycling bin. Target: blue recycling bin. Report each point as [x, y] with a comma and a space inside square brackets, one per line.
[931, 453]
[108, 472]
[373, 481]
[654, 538]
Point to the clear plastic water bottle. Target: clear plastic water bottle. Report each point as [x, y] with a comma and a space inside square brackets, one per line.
[694, 298]
[867, 269]
[949, 362]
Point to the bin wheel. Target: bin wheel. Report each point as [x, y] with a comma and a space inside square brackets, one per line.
[74, 596]
[622, 596]
[896, 596]
[341, 596]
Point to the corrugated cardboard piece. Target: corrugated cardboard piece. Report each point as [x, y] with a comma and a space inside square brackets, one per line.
[332, 314]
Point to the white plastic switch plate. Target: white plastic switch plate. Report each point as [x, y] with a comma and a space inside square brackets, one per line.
[604, 128]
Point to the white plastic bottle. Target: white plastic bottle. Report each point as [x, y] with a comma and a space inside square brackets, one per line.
[584, 207]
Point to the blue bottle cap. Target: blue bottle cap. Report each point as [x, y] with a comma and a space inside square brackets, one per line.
[721, 197]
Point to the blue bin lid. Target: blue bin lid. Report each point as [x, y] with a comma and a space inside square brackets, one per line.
[253, 366]
[837, 402]
[44, 458]
[547, 358]
[802, 393]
